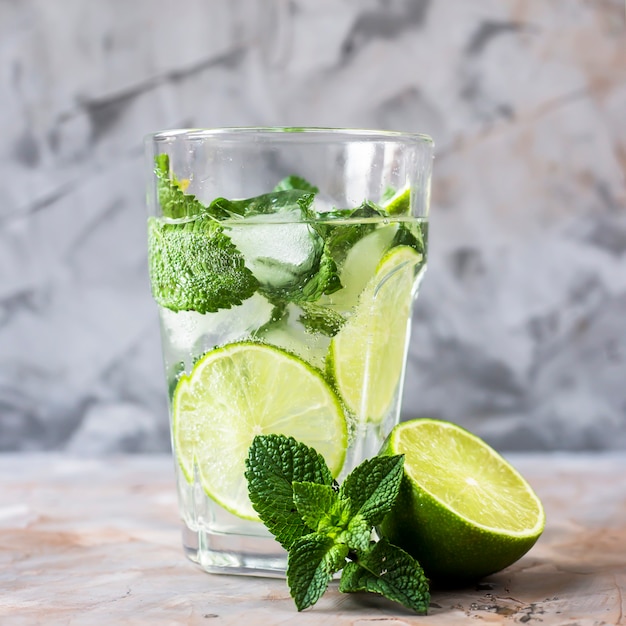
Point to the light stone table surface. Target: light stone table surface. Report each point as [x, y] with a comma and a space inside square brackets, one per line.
[96, 541]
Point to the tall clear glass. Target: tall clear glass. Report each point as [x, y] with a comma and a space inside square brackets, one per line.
[284, 262]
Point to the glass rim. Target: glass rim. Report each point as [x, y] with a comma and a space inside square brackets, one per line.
[334, 134]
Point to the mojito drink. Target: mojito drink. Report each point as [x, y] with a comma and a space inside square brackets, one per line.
[280, 313]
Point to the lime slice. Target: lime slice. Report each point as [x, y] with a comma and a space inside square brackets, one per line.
[399, 203]
[245, 389]
[367, 355]
[463, 511]
[359, 267]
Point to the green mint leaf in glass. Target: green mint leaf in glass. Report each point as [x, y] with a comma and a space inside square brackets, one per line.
[175, 203]
[340, 235]
[324, 281]
[412, 234]
[365, 210]
[320, 319]
[296, 182]
[391, 572]
[388, 193]
[274, 463]
[278, 316]
[372, 487]
[276, 202]
[312, 561]
[194, 266]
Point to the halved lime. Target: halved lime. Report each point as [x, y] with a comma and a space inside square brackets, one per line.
[463, 511]
[367, 355]
[245, 389]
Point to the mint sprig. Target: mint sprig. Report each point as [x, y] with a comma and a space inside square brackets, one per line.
[412, 234]
[326, 528]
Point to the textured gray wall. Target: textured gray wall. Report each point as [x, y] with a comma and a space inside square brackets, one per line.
[520, 330]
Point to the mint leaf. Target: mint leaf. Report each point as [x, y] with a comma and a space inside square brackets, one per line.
[388, 193]
[324, 281]
[412, 234]
[274, 462]
[278, 315]
[340, 237]
[312, 561]
[285, 201]
[315, 503]
[194, 266]
[326, 513]
[358, 534]
[365, 210]
[372, 487]
[296, 182]
[320, 319]
[391, 572]
[175, 203]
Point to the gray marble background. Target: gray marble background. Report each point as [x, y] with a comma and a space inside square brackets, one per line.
[520, 330]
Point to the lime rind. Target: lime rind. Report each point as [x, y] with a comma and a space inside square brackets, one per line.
[186, 462]
[238, 391]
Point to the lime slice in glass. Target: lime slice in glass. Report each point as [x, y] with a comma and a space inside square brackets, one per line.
[399, 203]
[367, 355]
[359, 267]
[463, 510]
[245, 389]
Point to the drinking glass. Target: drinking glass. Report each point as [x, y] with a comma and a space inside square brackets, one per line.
[284, 263]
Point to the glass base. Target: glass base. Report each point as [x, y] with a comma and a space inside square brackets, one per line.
[244, 555]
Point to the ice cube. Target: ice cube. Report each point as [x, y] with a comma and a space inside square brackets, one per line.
[279, 250]
[290, 335]
[185, 330]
